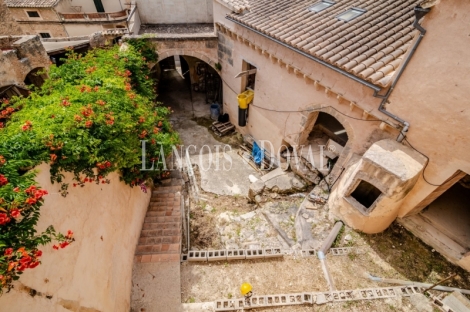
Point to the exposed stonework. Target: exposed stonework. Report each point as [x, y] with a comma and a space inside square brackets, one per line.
[8, 25]
[20, 55]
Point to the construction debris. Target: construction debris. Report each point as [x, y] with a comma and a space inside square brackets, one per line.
[311, 298]
[222, 129]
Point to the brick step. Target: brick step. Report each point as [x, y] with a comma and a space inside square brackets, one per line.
[163, 226]
[158, 248]
[161, 219]
[145, 241]
[160, 232]
[157, 258]
[162, 201]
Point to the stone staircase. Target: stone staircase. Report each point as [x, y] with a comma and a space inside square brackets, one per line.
[160, 239]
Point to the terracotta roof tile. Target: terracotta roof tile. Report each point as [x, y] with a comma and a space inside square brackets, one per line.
[31, 3]
[370, 46]
[237, 6]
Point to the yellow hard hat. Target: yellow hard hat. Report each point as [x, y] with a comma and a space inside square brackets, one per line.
[245, 288]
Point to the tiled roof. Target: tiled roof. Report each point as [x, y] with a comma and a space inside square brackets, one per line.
[31, 3]
[236, 6]
[371, 46]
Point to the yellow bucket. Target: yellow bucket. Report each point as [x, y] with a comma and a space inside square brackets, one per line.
[245, 98]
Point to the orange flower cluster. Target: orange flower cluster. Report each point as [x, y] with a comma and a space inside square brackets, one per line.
[27, 125]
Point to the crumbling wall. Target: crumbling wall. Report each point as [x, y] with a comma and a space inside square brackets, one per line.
[8, 25]
[19, 56]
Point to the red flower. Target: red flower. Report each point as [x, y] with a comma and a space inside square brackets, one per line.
[56, 247]
[34, 264]
[38, 253]
[88, 124]
[141, 119]
[64, 244]
[77, 118]
[160, 123]
[8, 251]
[30, 189]
[143, 134]
[101, 102]
[27, 125]
[2, 160]
[11, 265]
[25, 259]
[3, 180]
[65, 103]
[22, 267]
[4, 219]
[15, 213]
[155, 130]
[31, 201]
[75, 184]
[53, 116]
[16, 189]
[69, 234]
[53, 157]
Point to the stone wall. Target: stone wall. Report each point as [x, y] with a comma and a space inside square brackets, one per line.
[18, 57]
[94, 273]
[8, 26]
[175, 11]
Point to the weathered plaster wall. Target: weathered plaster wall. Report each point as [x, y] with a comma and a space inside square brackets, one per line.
[389, 166]
[280, 89]
[8, 25]
[175, 11]
[48, 22]
[94, 273]
[82, 29]
[433, 96]
[24, 54]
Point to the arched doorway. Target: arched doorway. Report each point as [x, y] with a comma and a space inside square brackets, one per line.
[187, 84]
[324, 143]
[36, 77]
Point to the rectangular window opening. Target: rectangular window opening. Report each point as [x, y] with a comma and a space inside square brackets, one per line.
[350, 14]
[320, 6]
[45, 35]
[248, 81]
[33, 13]
[366, 194]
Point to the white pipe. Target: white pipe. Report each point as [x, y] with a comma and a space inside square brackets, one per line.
[326, 273]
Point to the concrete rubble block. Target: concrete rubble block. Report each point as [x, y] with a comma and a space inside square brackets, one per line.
[273, 174]
[309, 253]
[254, 254]
[257, 301]
[216, 255]
[307, 298]
[341, 251]
[421, 303]
[256, 188]
[236, 254]
[248, 215]
[285, 184]
[306, 171]
[229, 305]
[197, 255]
[321, 299]
[457, 302]
[273, 252]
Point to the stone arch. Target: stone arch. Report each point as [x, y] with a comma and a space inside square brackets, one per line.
[166, 53]
[32, 77]
[309, 117]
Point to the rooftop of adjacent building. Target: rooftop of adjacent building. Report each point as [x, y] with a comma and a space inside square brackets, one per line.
[367, 38]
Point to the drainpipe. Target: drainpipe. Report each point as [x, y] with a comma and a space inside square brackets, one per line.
[419, 13]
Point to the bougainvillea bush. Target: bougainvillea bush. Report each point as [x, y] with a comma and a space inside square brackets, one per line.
[88, 118]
